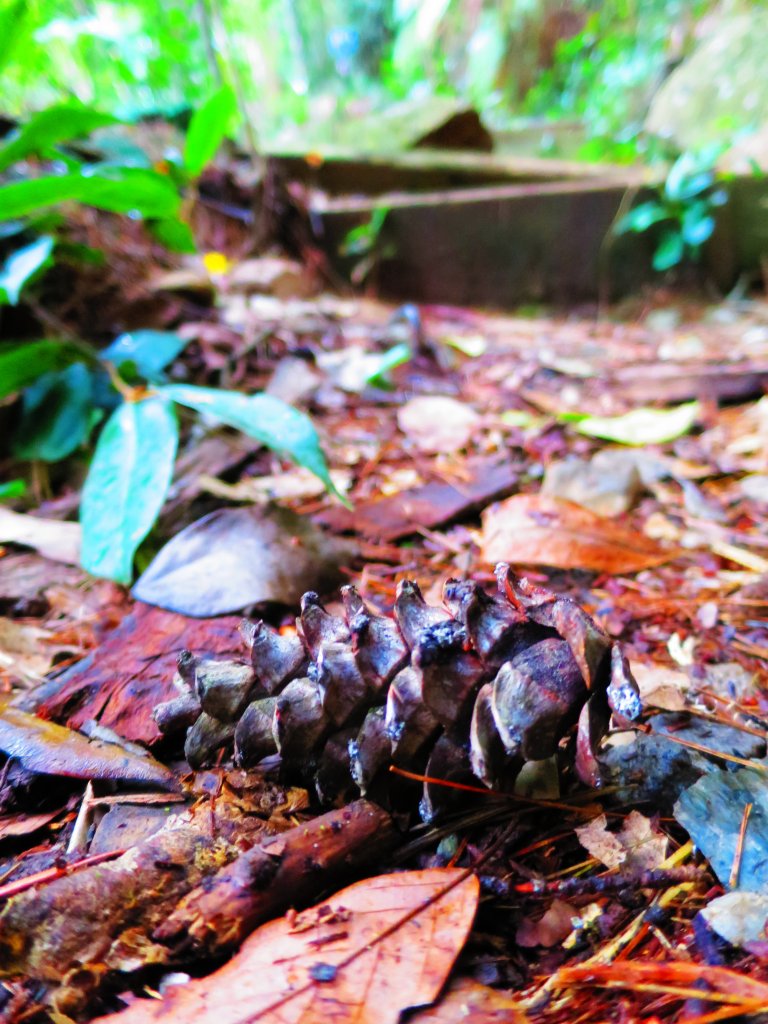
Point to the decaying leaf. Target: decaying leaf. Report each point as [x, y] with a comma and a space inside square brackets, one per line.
[534, 529]
[469, 1002]
[550, 929]
[635, 846]
[712, 811]
[437, 423]
[49, 749]
[237, 557]
[364, 955]
[741, 918]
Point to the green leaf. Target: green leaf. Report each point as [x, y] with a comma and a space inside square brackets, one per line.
[59, 123]
[642, 426]
[275, 423]
[209, 125]
[174, 234]
[669, 252]
[56, 415]
[22, 362]
[697, 224]
[642, 217]
[150, 351]
[21, 266]
[124, 191]
[389, 360]
[127, 484]
[12, 489]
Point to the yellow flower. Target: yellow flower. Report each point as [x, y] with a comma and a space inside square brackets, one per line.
[216, 263]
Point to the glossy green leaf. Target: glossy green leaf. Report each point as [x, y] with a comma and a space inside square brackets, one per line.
[210, 124]
[56, 415]
[697, 224]
[59, 123]
[126, 486]
[12, 489]
[271, 421]
[22, 362]
[21, 266]
[124, 191]
[174, 234]
[669, 251]
[149, 351]
[642, 426]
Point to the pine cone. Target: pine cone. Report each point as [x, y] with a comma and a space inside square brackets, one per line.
[467, 692]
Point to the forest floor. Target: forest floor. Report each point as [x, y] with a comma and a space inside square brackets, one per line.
[621, 460]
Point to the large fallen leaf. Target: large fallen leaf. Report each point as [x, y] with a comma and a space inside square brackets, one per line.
[365, 955]
[54, 539]
[241, 556]
[49, 749]
[642, 426]
[535, 529]
[712, 811]
[437, 423]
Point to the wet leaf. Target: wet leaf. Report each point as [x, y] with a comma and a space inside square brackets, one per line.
[712, 811]
[126, 486]
[533, 529]
[345, 960]
[241, 556]
[274, 423]
[49, 749]
[642, 426]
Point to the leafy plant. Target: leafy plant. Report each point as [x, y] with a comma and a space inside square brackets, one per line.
[152, 193]
[67, 389]
[684, 207]
[365, 244]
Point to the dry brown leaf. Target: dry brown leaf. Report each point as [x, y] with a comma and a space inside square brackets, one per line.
[660, 686]
[550, 929]
[52, 538]
[535, 529]
[365, 955]
[437, 423]
[637, 846]
[469, 1002]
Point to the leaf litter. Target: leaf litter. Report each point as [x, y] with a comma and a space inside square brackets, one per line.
[682, 555]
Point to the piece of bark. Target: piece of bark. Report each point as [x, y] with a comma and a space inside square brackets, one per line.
[428, 506]
[289, 870]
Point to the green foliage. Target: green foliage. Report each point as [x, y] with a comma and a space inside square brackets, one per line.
[56, 124]
[23, 362]
[12, 489]
[118, 190]
[271, 421]
[209, 126]
[65, 392]
[684, 208]
[127, 483]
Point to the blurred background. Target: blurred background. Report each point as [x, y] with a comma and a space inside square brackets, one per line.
[616, 81]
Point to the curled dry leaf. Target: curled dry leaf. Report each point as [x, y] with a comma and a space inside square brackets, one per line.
[535, 529]
[49, 749]
[637, 845]
[365, 955]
